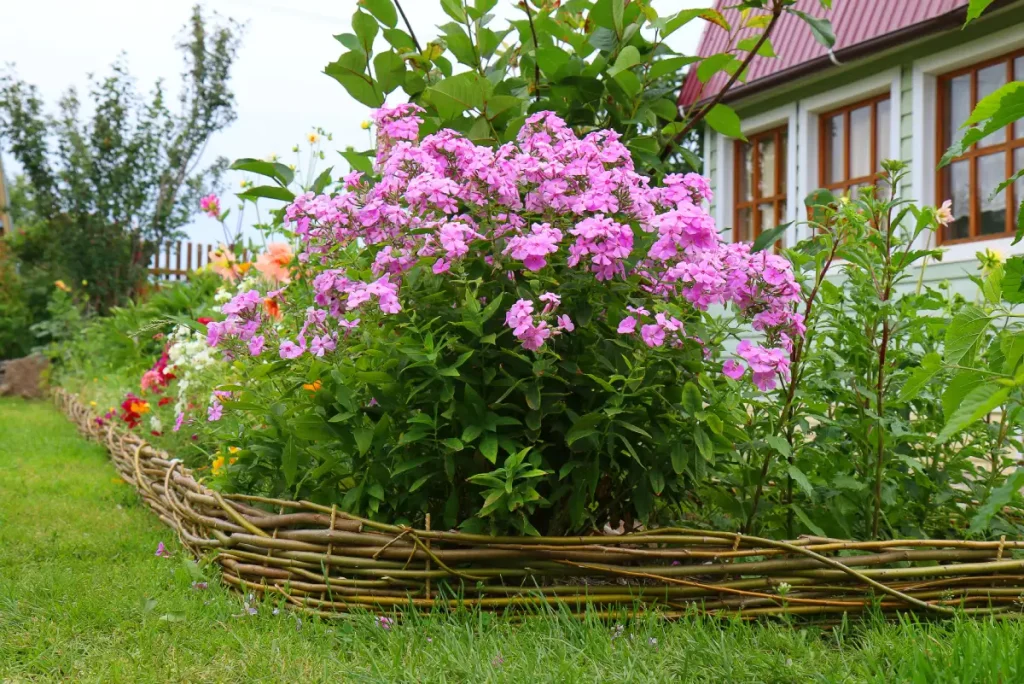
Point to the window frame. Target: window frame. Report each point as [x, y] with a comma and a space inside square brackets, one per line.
[1007, 148]
[823, 147]
[780, 136]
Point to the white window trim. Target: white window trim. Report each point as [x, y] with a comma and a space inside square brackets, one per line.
[725, 153]
[925, 77]
[811, 109]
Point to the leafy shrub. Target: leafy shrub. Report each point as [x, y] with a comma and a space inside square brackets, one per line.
[517, 326]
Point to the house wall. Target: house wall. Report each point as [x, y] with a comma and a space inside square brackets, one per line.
[908, 72]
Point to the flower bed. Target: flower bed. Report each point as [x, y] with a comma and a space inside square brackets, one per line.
[327, 562]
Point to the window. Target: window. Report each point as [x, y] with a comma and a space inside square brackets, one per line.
[760, 183]
[853, 141]
[972, 177]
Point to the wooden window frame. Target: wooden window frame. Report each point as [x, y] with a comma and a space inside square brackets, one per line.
[780, 136]
[1007, 148]
[847, 182]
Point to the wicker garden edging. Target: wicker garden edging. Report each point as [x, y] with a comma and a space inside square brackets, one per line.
[328, 562]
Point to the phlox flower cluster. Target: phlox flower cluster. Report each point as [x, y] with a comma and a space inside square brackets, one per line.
[190, 357]
[549, 201]
[532, 330]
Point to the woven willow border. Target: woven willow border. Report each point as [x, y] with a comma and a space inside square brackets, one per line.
[327, 562]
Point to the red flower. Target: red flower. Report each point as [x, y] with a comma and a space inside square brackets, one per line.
[203, 320]
[164, 402]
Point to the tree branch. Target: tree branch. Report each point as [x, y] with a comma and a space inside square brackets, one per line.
[536, 64]
[412, 33]
[777, 7]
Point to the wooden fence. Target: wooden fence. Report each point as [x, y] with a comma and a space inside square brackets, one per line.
[176, 260]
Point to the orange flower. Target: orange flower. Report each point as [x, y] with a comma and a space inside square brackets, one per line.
[312, 387]
[273, 263]
[272, 308]
[222, 262]
[59, 284]
[139, 407]
[244, 267]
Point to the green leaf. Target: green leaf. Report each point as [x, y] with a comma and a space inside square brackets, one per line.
[964, 334]
[389, 68]
[268, 191]
[471, 432]
[290, 462]
[807, 521]
[453, 8]
[657, 481]
[399, 39]
[366, 28]
[629, 57]
[551, 59]
[981, 401]
[419, 483]
[364, 438]
[453, 444]
[998, 499]
[491, 308]
[679, 458]
[671, 65]
[801, 479]
[711, 65]
[975, 8]
[349, 71]
[584, 427]
[358, 161]
[489, 447]
[703, 442]
[322, 181]
[993, 113]
[821, 29]
[669, 25]
[384, 10]
[764, 49]
[278, 172]
[453, 96]
[768, 238]
[779, 443]
[957, 388]
[692, 400]
[724, 120]
[374, 377]
[618, 6]
[931, 364]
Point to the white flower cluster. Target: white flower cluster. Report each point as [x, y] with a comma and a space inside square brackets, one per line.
[188, 356]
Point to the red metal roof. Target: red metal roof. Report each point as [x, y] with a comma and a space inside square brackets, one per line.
[853, 22]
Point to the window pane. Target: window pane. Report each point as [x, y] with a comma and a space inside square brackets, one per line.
[766, 154]
[767, 212]
[958, 181]
[1018, 185]
[882, 132]
[1018, 74]
[991, 79]
[958, 106]
[860, 142]
[992, 172]
[782, 164]
[834, 160]
[744, 226]
[746, 172]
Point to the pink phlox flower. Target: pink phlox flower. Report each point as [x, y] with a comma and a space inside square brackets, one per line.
[627, 326]
[733, 369]
[565, 323]
[551, 302]
[533, 248]
[653, 335]
[290, 350]
[161, 551]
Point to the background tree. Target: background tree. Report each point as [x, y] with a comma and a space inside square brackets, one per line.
[103, 191]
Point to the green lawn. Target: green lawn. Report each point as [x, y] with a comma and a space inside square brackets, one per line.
[84, 598]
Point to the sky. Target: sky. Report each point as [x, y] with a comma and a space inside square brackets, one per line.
[280, 91]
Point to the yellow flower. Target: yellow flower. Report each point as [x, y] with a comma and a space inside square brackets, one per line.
[61, 286]
[272, 158]
[243, 183]
[365, 125]
[92, 403]
[312, 387]
[313, 138]
[845, 199]
[217, 465]
[291, 166]
[243, 267]
[233, 449]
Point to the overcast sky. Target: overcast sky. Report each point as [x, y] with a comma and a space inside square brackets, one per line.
[280, 90]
